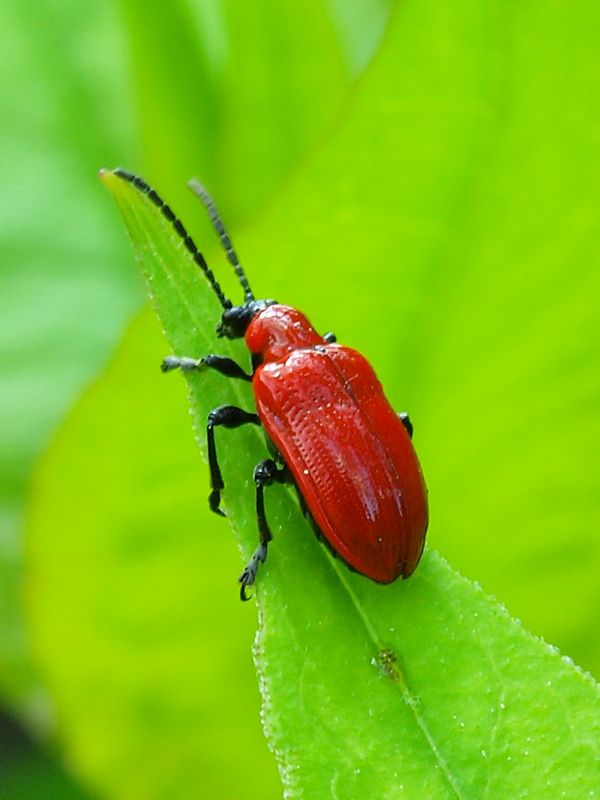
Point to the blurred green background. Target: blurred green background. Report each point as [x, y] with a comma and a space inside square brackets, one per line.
[423, 181]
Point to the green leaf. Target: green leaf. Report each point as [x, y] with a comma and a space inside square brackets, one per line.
[370, 690]
[189, 310]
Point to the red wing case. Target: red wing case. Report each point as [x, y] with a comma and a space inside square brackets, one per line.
[350, 455]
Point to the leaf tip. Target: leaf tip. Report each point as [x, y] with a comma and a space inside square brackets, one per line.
[108, 177]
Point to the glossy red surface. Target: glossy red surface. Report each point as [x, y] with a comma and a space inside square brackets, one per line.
[351, 457]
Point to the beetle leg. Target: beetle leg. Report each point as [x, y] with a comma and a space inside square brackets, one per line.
[229, 417]
[265, 474]
[405, 420]
[226, 366]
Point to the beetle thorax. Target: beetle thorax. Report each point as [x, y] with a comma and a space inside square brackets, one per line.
[278, 330]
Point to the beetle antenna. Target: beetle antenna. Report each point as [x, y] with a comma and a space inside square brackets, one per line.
[189, 243]
[217, 223]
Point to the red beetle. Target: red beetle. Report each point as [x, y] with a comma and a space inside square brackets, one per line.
[332, 431]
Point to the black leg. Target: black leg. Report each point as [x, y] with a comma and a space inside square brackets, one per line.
[265, 474]
[229, 417]
[226, 366]
[405, 420]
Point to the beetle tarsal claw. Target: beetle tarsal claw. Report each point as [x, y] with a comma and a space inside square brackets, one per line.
[246, 579]
[244, 597]
[248, 576]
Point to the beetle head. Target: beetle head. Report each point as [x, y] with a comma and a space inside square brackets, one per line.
[234, 321]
